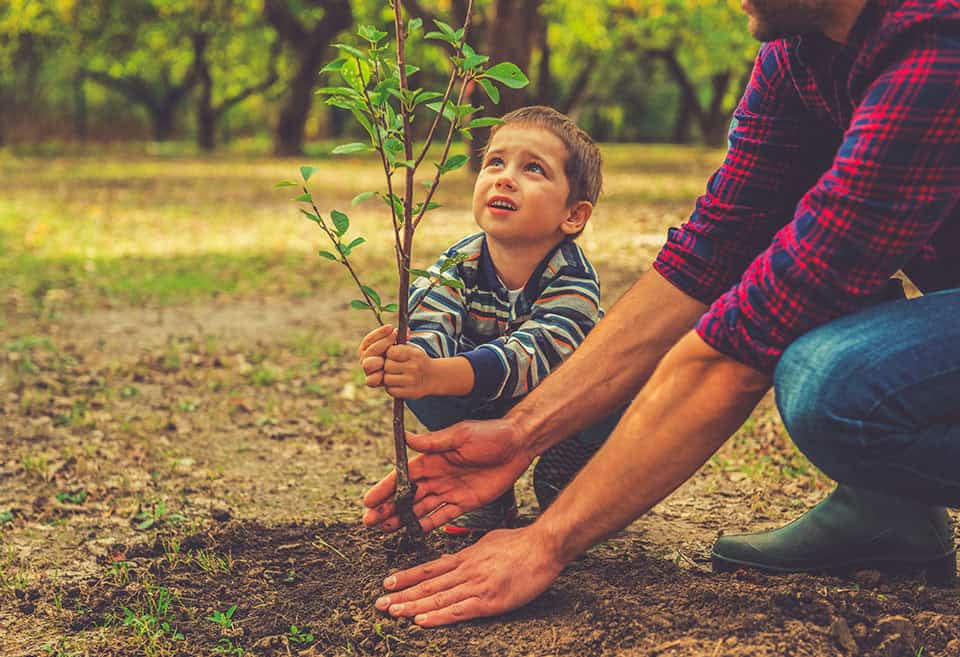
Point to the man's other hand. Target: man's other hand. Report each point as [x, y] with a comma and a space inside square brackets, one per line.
[504, 570]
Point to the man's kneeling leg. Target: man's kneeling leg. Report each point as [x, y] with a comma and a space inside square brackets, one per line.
[870, 399]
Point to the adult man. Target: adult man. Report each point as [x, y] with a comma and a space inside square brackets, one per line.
[844, 167]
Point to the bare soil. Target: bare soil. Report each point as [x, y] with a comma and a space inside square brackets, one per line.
[239, 434]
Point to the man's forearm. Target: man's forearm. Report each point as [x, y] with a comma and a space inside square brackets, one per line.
[693, 402]
[610, 366]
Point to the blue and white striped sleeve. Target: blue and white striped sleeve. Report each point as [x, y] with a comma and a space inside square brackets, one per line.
[437, 322]
[561, 317]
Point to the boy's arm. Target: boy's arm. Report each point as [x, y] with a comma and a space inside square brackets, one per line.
[561, 317]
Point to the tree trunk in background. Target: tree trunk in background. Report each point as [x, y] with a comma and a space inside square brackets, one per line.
[161, 105]
[511, 35]
[80, 124]
[681, 124]
[310, 48]
[206, 116]
[715, 121]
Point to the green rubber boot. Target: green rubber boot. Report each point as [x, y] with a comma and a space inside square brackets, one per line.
[852, 528]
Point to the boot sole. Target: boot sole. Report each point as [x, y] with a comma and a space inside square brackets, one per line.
[939, 572]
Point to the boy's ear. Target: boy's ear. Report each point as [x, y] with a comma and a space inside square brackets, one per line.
[577, 218]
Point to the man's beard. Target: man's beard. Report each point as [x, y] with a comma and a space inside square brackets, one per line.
[776, 19]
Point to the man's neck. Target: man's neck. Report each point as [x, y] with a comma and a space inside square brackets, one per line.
[515, 263]
[844, 17]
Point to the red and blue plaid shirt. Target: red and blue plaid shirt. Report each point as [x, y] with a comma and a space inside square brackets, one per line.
[843, 168]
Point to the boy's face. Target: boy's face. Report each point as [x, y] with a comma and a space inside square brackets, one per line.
[520, 196]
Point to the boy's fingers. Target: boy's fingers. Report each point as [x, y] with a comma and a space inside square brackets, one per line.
[373, 336]
[372, 364]
[374, 380]
[402, 352]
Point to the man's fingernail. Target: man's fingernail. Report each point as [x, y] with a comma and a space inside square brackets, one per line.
[420, 618]
[390, 582]
[382, 603]
[396, 609]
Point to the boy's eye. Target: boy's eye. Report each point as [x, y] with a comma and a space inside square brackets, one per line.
[494, 162]
[536, 168]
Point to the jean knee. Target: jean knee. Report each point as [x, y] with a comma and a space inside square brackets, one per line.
[811, 391]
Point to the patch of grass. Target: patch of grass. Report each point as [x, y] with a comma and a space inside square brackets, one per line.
[211, 562]
[36, 465]
[264, 376]
[155, 516]
[151, 620]
[223, 618]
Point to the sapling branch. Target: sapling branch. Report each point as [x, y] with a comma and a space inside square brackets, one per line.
[343, 259]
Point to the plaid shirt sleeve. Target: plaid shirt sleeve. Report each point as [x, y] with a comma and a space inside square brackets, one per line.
[893, 182]
[563, 314]
[773, 150]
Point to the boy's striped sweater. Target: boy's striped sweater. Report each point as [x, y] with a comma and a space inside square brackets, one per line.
[511, 347]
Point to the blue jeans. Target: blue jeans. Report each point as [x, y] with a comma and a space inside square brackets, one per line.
[873, 398]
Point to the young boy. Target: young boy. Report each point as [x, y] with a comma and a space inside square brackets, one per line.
[529, 296]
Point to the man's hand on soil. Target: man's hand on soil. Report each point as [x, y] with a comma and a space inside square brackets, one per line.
[460, 469]
[481, 580]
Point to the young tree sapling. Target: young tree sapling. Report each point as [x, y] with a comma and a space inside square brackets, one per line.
[377, 91]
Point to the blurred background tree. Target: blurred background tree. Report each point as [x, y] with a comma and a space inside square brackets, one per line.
[216, 72]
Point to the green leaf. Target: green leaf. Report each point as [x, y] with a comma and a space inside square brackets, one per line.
[311, 216]
[452, 282]
[340, 221]
[371, 293]
[484, 122]
[439, 36]
[355, 147]
[454, 163]
[452, 261]
[356, 242]
[304, 198]
[361, 197]
[420, 272]
[390, 308]
[350, 50]
[393, 145]
[507, 74]
[335, 65]
[371, 34]
[448, 111]
[338, 91]
[491, 90]
[414, 25]
[430, 206]
[411, 69]
[327, 255]
[446, 29]
[285, 183]
[410, 164]
[306, 172]
[359, 305]
[472, 61]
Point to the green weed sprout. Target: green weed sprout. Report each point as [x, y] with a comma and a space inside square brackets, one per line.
[376, 90]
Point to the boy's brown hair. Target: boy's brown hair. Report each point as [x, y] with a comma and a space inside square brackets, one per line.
[583, 164]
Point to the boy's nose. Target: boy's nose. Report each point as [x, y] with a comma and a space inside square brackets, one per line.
[506, 182]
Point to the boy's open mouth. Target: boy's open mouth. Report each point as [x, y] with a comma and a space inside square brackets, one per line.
[502, 203]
